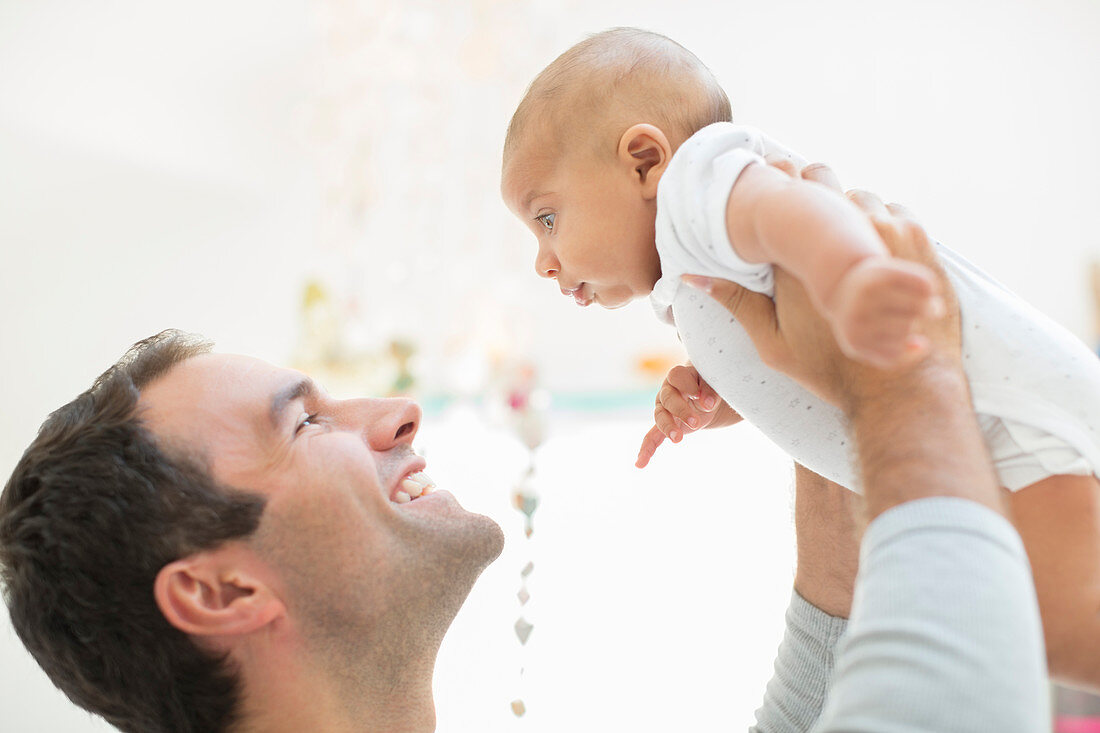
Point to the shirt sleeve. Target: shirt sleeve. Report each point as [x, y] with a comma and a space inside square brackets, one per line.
[945, 633]
[796, 693]
[692, 197]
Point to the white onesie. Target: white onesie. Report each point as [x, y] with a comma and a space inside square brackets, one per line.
[1035, 387]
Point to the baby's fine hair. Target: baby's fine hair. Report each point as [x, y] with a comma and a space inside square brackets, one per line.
[616, 78]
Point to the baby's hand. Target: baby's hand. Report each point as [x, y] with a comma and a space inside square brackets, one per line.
[877, 307]
[685, 403]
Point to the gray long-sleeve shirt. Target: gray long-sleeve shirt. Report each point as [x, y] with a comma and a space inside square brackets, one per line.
[944, 634]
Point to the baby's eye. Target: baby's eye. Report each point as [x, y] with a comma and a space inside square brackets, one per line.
[547, 221]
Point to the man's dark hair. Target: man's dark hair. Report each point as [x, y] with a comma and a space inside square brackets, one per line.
[94, 509]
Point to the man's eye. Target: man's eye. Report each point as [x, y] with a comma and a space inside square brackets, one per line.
[305, 422]
[547, 221]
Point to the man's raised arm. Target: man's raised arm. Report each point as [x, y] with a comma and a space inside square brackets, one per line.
[944, 633]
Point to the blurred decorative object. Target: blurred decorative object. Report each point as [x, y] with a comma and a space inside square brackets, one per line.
[526, 500]
[526, 406]
[327, 352]
[401, 354]
[401, 87]
[654, 365]
[523, 630]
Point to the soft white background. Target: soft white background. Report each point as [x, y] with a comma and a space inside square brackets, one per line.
[189, 164]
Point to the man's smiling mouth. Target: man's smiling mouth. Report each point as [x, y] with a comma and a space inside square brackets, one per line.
[412, 487]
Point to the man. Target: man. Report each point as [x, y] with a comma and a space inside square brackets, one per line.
[206, 542]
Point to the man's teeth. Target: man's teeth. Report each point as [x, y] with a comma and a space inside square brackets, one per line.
[412, 487]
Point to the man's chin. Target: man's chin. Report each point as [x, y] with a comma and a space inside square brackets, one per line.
[472, 538]
[494, 540]
[483, 541]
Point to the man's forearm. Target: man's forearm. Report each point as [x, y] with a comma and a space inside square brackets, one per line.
[944, 632]
[827, 534]
[917, 437]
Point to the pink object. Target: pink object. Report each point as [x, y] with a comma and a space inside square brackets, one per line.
[1074, 724]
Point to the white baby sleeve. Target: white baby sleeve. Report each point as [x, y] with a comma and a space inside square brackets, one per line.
[691, 211]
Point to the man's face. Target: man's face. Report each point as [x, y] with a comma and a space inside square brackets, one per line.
[347, 557]
[595, 231]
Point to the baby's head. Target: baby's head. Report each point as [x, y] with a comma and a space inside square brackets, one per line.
[585, 151]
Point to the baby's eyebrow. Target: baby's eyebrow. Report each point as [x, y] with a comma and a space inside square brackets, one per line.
[531, 197]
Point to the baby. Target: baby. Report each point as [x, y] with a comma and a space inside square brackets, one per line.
[622, 159]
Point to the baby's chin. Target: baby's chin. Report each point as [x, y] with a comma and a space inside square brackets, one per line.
[615, 303]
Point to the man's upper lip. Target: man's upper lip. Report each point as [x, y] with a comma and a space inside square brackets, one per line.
[413, 466]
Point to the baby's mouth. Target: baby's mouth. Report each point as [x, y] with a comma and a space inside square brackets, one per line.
[412, 487]
[578, 296]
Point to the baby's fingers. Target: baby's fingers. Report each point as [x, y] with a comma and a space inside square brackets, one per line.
[650, 443]
[685, 379]
[668, 424]
[691, 385]
[673, 400]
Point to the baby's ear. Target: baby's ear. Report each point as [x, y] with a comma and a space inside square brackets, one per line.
[647, 151]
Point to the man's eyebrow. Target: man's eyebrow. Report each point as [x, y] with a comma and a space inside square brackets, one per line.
[303, 387]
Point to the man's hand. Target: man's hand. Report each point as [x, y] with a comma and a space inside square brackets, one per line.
[791, 337]
[685, 403]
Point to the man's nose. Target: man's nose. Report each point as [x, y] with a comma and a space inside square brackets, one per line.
[389, 422]
[546, 264]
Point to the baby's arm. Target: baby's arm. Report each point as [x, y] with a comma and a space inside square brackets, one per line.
[872, 300]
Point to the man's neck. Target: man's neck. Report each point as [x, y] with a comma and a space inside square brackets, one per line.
[297, 693]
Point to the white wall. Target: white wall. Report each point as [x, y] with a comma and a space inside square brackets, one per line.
[188, 164]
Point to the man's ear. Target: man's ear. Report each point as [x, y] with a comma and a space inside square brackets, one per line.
[647, 151]
[216, 593]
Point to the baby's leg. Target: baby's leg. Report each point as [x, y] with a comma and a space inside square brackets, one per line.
[1059, 520]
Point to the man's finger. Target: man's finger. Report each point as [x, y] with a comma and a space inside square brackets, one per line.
[823, 174]
[870, 203]
[650, 443]
[906, 239]
[900, 211]
[783, 163]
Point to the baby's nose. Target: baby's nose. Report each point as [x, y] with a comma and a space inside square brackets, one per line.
[547, 266]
